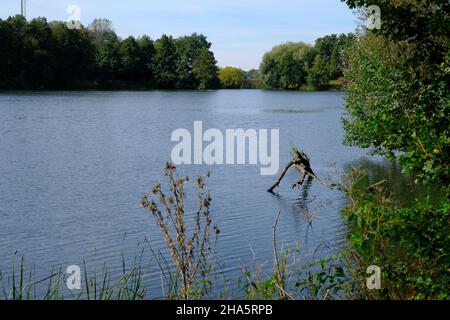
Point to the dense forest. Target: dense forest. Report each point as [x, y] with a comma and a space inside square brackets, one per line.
[38, 54]
[42, 55]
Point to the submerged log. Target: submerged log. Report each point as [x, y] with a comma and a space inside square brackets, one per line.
[302, 163]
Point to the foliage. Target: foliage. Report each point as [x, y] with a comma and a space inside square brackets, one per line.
[40, 55]
[318, 75]
[284, 67]
[195, 63]
[101, 31]
[130, 62]
[330, 61]
[205, 70]
[398, 105]
[146, 70]
[411, 244]
[398, 101]
[165, 62]
[252, 79]
[298, 65]
[231, 78]
[326, 278]
[108, 61]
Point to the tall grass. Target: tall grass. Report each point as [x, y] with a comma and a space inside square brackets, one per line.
[21, 284]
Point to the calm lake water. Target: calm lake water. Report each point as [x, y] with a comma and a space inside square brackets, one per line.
[74, 165]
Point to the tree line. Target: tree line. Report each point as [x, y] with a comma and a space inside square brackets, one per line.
[296, 66]
[38, 54]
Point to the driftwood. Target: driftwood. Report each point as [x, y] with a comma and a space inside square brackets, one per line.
[301, 162]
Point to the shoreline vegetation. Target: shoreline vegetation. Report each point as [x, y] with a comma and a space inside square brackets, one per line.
[398, 106]
[383, 231]
[41, 55]
[190, 269]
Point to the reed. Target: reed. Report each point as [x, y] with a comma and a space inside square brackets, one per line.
[21, 284]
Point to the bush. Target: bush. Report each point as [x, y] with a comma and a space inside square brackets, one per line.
[410, 244]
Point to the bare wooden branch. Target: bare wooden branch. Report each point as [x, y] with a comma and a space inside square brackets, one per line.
[300, 182]
[277, 183]
[302, 164]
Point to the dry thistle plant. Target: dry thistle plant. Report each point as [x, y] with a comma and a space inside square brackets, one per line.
[191, 252]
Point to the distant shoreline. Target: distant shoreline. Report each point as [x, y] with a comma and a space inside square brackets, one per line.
[161, 90]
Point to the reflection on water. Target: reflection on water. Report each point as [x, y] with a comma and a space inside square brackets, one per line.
[291, 111]
[304, 198]
[398, 186]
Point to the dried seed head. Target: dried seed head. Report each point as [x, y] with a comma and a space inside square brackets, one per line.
[199, 181]
[152, 206]
[144, 201]
[156, 187]
[207, 201]
[170, 200]
[170, 169]
[179, 211]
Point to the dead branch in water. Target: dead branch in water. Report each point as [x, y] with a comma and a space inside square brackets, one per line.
[302, 163]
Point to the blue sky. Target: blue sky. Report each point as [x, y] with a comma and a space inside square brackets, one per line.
[240, 30]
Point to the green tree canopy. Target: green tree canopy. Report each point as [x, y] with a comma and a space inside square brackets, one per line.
[166, 62]
[318, 75]
[102, 31]
[284, 67]
[40, 55]
[231, 78]
[130, 59]
[293, 65]
[398, 101]
[189, 49]
[205, 70]
[74, 54]
[146, 70]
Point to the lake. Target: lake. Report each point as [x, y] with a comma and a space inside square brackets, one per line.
[74, 166]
